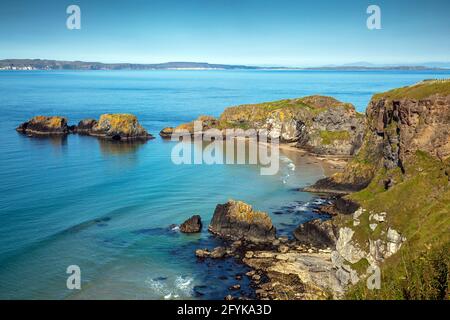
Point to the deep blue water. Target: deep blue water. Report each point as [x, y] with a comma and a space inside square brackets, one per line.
[107, 207]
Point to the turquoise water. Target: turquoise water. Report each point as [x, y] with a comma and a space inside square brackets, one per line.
[106, 207]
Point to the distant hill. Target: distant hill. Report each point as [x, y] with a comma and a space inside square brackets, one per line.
[38, 64]
[44, 64]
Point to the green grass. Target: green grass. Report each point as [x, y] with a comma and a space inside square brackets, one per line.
[421, 90]
[418, 206]
[329, 137]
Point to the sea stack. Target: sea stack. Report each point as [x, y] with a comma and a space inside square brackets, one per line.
[119, 127]
[44, 125]
[236, 220]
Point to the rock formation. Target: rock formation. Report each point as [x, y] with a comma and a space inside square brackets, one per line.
[42, 125]
[236, 220]
[318, 233]
[192, 225]
[119, 127]
[85, 126]
[321, 125]
[166, 133]
[110, 126]
[400, 122]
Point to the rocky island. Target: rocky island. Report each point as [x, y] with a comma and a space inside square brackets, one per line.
[117, 127]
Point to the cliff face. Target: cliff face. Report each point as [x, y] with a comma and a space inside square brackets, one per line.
[321, 125]
[403, 171]
[399, 123]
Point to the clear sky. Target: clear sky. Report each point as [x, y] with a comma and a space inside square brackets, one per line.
[255, 32]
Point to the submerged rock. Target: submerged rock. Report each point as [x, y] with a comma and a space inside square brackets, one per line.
[236, 220]
[119, 127]
[192, 225]
[43, 125]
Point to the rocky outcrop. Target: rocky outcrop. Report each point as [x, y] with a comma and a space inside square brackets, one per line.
[43, 125]
[166, 133]
[236, 220]
[352, 259]
[85, 126]
[321, 125]
[192, 225]
[318, 233]
[119, 127]
[293, 273]
[123, 127]
[400, 122]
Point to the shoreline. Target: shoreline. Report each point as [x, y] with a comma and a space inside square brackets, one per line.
[285, 268]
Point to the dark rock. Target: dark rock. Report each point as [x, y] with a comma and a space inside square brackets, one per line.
[236, 220]
[85, 126]
[192, 225]
[388, 183]
[346, 206]
[318, 233]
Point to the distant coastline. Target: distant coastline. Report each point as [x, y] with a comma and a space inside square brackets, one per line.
[44, 64]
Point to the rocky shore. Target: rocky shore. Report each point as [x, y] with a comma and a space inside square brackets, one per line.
[388, 212]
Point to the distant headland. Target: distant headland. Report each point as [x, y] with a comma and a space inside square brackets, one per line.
[44, 64]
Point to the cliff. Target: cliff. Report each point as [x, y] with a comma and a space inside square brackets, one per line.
[402, 173]
[318, 124]
[400, 122]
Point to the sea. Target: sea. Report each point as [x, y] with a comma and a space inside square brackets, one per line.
[109, 208]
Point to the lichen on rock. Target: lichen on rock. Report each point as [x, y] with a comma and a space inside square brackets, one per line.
[119, 127]
[44, 125]
[237, 220]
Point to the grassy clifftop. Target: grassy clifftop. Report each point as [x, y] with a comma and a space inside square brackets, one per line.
[405, 163]
[420, 90]
[285, 109]
[418, 206]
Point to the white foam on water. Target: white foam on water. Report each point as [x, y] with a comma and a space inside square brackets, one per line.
[304, 207]
[185, 284]
[181, 287]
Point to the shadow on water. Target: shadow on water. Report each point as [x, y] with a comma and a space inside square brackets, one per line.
[53, 140]
[116, 148]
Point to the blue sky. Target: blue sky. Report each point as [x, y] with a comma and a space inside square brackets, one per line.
[255, 32]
